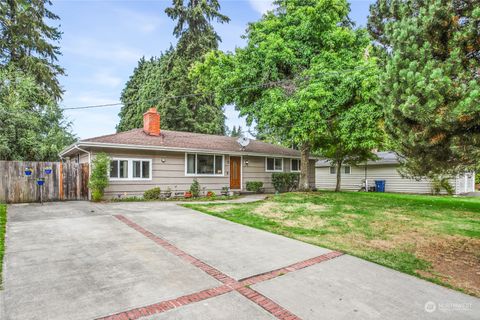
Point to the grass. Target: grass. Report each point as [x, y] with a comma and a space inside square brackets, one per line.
[433, 237]
[3, 223]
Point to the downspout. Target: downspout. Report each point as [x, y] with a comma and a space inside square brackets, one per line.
[89, 166]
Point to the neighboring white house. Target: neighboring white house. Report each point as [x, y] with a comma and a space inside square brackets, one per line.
[385, 168]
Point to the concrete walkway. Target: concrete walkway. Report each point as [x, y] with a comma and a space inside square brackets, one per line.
[154, 260]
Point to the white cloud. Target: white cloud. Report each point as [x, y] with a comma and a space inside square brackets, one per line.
[137, 20]
[261, 6]
[233, 119]
[98, 50]
[105, 78]
[87, 123]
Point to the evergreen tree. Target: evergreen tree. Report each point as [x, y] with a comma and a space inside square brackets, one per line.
[236, 132]
[32, 125]
[166, 82]
[26, 42]
[431, 82]
[141, 91]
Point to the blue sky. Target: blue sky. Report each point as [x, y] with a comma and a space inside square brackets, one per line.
[103, 40]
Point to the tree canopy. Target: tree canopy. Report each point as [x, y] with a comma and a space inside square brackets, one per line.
[32, 126]
[164, 81]
[304, 77]
[430, 84]
[27, 42]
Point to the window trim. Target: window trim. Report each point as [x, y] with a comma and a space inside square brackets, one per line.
[266, 166]
[334, 169]
[130, 169]
[196, 165]
[349, 171]
[299, 165]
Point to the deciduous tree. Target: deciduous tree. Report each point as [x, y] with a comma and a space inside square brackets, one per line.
[304, 78]
[32, 127]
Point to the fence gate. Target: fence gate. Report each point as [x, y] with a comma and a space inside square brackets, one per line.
[62, 181]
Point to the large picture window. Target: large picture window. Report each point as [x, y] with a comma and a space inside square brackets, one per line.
[204, 164]
[295, 165]
[274, 164]
[130, 169]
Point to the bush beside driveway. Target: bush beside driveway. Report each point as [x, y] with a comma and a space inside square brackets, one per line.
[436, 238]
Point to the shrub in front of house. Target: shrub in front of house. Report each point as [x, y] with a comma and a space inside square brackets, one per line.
[99, 176]
[255, 186]
[285, 181]
[152, 194]
[195, 188]
[441, 183]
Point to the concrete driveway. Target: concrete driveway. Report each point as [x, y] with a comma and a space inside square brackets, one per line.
[77, 260]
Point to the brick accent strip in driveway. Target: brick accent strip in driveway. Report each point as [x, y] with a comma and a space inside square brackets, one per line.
[229, 284]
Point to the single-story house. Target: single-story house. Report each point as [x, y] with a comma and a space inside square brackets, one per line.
[150, 157]
[384, 168]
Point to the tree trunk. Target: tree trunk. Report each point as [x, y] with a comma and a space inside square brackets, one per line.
[304, 174]
[339, 176]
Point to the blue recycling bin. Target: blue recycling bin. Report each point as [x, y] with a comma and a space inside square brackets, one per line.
[380, 185]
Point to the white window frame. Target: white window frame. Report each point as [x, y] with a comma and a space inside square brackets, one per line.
[130, 169]
[345, 167]
[266, 166]
[299, 165]
[334, 169]
[196, 165]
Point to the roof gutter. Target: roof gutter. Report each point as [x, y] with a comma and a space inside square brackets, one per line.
[171, 149]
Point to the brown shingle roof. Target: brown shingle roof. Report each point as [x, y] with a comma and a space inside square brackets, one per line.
[189, 140]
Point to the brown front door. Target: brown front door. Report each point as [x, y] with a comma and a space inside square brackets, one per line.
[235, 172]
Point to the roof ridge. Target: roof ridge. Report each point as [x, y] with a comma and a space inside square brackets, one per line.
[111, 134]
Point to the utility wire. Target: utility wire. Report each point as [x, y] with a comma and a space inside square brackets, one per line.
[203, 93]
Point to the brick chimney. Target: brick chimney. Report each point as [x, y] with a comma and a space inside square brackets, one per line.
[151, 122]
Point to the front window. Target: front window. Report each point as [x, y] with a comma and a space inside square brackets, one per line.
[141, 169]
[333, 170]
[133, 169]
[119, 169]
[295, 165]
[274, 164]
[204, 164]
[347, 169]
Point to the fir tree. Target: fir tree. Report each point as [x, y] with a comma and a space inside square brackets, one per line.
[169, 86]
[26, 42]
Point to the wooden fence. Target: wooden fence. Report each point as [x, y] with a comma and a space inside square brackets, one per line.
[67, 181]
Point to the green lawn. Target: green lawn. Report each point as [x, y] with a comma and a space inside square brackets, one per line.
[3, 223]
[432, 237]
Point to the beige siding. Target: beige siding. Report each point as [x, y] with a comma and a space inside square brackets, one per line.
[311, 173]
[83, 158]
[256, 171]
[171, 173]
[393, 181]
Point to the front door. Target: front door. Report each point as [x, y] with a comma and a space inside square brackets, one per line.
[235, 172]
